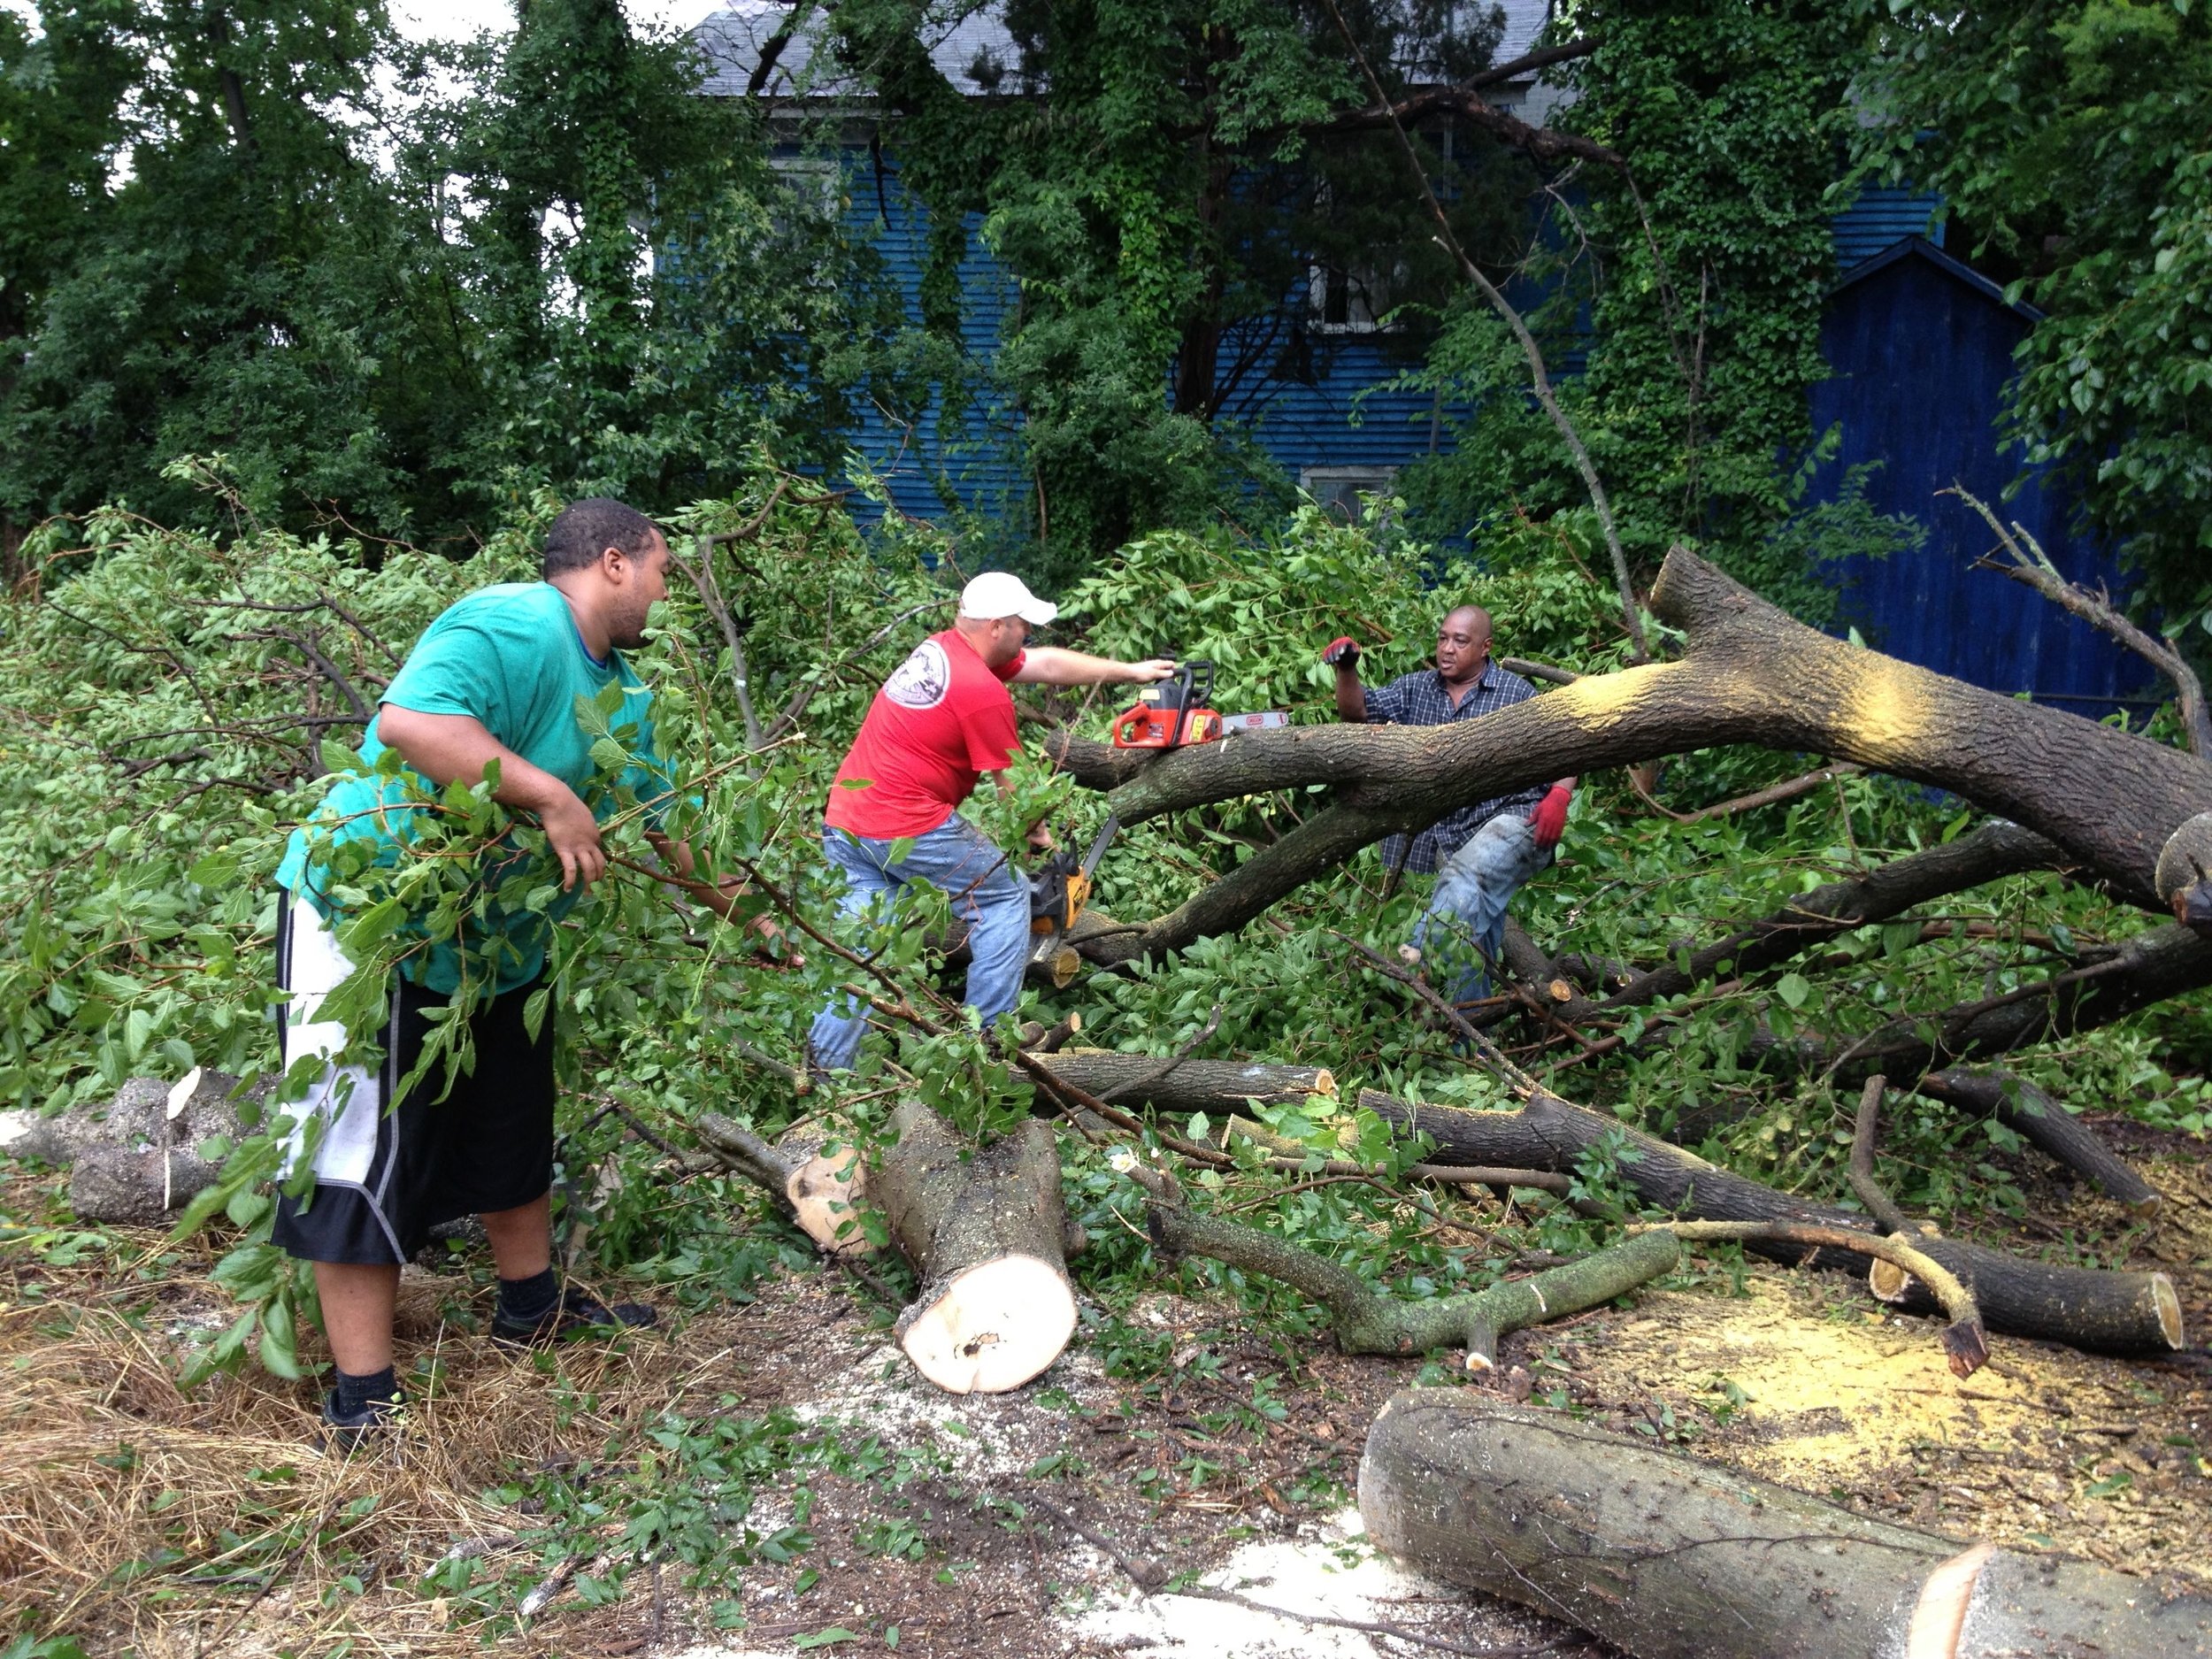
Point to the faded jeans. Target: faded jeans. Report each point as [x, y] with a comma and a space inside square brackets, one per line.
[1462, 931]
[985, 894]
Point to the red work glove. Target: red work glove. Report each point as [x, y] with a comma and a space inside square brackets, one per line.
[1343, 649]
[1550, 820]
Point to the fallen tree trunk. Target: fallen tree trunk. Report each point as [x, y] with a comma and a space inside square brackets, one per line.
[2110, 1312]
[1750, 674]
[820, 1194]
[2155, 965]
[1369, 1321]
[1165, 1083]
[988, 1238]
[1671, 1558]
[1983, 856]
[2046, 1125]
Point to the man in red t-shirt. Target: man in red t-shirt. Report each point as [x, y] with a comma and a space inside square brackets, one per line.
[941, 721]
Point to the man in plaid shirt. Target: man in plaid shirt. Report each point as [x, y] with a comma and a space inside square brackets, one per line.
[1485, 852]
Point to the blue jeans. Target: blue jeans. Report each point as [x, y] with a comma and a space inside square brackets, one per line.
[985, 894]
[1462, 931]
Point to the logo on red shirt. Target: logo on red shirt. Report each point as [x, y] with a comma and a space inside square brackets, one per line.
[922, 679]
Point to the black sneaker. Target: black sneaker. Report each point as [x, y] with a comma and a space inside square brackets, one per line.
[347, 1433]
[577, 1313]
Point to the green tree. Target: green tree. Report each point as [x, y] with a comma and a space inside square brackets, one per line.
[1688, 280]
[2069, 141]
[1163, 177]
[401, 286]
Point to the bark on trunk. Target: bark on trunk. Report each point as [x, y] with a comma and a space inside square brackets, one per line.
[821, 1196]
[987, 1235]
[1219, 1088]
[2110, 1312]
[2155, 965]
[2044, 1124]
[1750, 675]
[1671, 1558]
[1987, 854]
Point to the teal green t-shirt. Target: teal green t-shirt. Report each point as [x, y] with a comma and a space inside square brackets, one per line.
[509, 657]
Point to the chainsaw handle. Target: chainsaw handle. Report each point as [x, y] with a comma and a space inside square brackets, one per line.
[1198, 678]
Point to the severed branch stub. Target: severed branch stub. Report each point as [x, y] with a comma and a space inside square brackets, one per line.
[818, 1193]
[1965, 1343]
[1368, 1321]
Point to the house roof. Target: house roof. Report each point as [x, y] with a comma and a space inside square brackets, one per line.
[1920, 248]
[969, 43]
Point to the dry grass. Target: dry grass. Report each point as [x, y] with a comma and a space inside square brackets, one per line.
[140, 1519]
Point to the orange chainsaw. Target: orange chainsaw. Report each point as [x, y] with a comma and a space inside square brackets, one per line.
[1172, 713]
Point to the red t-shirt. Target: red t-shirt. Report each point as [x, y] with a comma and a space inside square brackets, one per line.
[941, 722]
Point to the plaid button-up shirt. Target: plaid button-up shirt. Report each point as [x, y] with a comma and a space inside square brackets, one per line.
[1421, 700]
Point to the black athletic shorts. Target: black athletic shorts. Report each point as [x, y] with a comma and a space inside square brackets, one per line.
[384, 1178]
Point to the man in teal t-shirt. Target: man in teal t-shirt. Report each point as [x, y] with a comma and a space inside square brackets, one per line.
[496, 678]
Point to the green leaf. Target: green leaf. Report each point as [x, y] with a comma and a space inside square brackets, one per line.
[337, 759]
[1793, 989]
[834, 1634]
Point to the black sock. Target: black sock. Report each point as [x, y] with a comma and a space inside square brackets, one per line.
[355, 1393]
[527, 1301]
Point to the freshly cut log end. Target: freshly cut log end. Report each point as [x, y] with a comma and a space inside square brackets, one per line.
[1056, 962]
[992, 1327]
[2111, 1312]
[824, 1194]
[987, 1231]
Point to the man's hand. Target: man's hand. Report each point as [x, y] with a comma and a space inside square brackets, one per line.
[1549, 820]
[1040, 837]
[1152, 669]
[574, 836]
[1341, 652]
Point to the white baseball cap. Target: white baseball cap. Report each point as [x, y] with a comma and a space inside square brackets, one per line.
[998, 594]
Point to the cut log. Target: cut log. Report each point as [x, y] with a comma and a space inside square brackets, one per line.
[2047, 1125]
[2088, 1307]
[987, 1235]
[1671, 1558]
[819, 1193]
[1369, 1321]
[1052, 963]
[1165, 1084]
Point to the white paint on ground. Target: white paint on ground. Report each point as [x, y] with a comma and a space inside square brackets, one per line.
[14, 1125]
[1331, 1573]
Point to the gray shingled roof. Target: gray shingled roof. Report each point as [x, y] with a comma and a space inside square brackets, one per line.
[969, 44]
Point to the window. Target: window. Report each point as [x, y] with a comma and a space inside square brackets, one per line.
[1350, 302]
[1341, 491]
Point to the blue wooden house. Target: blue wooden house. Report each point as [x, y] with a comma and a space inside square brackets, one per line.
[1920, 345]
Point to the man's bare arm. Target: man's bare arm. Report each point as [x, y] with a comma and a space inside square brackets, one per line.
[1049, 665]
[444, 746]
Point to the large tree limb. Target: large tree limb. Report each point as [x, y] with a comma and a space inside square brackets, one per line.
[1750, 675]
[1368, 1321]
[1667, 1557]
[1982, 855]
[2082, 1307]
[2046, 1125]
[2155, 965]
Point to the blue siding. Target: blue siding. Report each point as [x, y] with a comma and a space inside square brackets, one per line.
[1881, 217]
[928, 462]
[1922, 348]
